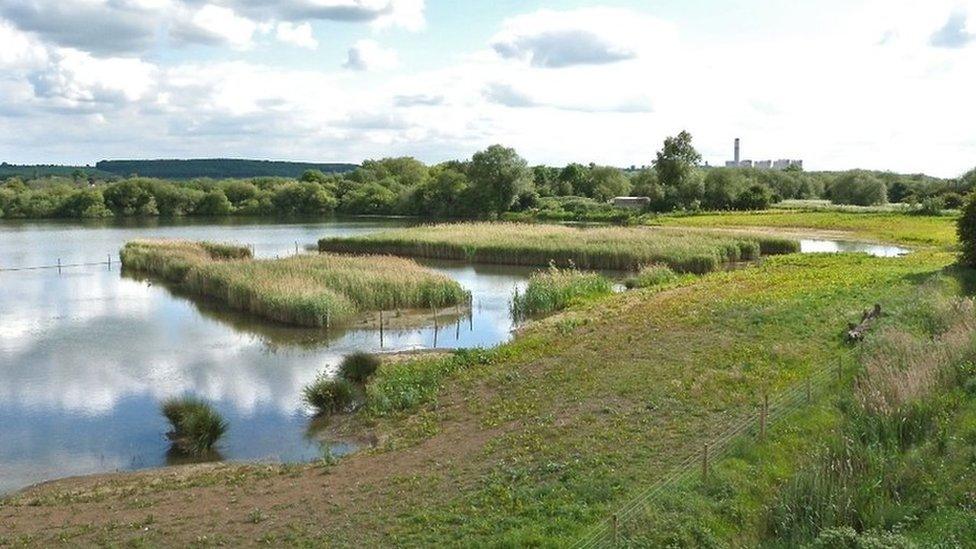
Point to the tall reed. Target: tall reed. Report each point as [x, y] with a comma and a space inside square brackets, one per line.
[554, 289]
[618, 248]
[306, 290]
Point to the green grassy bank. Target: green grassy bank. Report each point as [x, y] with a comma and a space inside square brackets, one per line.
[620, 248]
[306, 290]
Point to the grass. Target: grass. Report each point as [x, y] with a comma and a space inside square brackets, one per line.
[359, 366]
[901, 228]
[618, 248]
[329, 395]
[555, 289]
[196, 426]
[650, 276]
[306, 290]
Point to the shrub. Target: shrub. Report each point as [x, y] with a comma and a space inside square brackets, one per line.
[329, 395]
[196, 426]
[952, 200]
[966, 230]
[932, 205]
[556, 288]
[858, 188]
[652, 275]
[359, 366]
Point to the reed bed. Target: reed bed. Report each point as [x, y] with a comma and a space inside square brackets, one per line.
[306, 290]
[554, 289]
[617, 248]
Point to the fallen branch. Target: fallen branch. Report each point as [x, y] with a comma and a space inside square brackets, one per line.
[855, 332]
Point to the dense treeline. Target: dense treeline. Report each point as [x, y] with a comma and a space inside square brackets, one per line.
[494, 183]
[218, 168]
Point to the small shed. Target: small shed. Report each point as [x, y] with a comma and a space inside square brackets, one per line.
[631, 202]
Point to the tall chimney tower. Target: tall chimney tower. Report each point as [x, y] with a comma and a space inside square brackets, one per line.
[736, 151]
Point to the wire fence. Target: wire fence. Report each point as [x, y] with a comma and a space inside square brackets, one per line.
[698, 464]
[60, 265]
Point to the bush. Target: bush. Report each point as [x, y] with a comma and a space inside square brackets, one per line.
[196, 425]
[652, 275]
[952, 200]
[555, 289]
[328, 395]
[858, 188]
[966, 229]
[358, 366]
[932, 205]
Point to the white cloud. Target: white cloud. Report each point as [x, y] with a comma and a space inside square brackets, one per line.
[369, 55]
[214, 25]
[297, 35]
[589, 36]
[76, 78]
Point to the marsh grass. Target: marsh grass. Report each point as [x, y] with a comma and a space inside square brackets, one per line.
[880, 472]
[359, 366]
[651, 275]
[329, 395]
[617, 248]
[306, 290]
[196, 425]
[555, 289]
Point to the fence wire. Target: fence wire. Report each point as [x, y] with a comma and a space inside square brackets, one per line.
[779, 405]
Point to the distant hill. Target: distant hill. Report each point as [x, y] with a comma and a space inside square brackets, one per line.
[46, 170]
[216, 168]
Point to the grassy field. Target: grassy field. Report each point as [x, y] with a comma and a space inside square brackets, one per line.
[306, 290]
[618, 248]
[887, 227]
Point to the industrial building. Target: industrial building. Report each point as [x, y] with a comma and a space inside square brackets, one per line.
[780, 164]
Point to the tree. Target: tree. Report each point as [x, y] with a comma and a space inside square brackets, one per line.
[966, 229]
[859, 188]
[722, 187]
[756, 197]
[577, 178]
[608, 182]
[677, 160]
[498, 174]
[214, 203]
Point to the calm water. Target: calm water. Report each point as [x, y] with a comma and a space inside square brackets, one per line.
[87, 355]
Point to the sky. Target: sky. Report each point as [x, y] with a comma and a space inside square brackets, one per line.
[875, 84]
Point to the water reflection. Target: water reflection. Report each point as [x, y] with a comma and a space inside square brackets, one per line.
[811, 246]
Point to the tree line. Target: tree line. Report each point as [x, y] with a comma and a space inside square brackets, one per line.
[493, 183]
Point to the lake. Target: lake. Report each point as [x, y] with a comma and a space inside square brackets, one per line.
[87, 354]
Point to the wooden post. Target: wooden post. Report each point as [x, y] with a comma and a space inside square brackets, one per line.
[840, 370]
[381, 329]
[59, 265]
[809, 399]
[762, 417]
[296, 247]
[616, 529]
[110, 262]
[705, 463]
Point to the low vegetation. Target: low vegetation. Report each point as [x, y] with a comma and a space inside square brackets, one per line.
[329, 395]
[196, 425]
[306, 290]
[620, 248]
[359, 366]
[555, 289]
[651, 275]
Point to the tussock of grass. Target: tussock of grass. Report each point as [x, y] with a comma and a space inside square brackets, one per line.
[359, 366]
[620, 248]
[306, 290]
[554, 289]
[196, 426]
[651, 275]
[329, 395]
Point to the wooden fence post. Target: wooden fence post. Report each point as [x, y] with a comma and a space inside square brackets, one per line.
[762, 417]
[705, 462]
[381, 329]
[59, 265]
[616, 529]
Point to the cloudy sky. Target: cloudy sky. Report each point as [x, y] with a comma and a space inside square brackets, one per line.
[886, 84]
